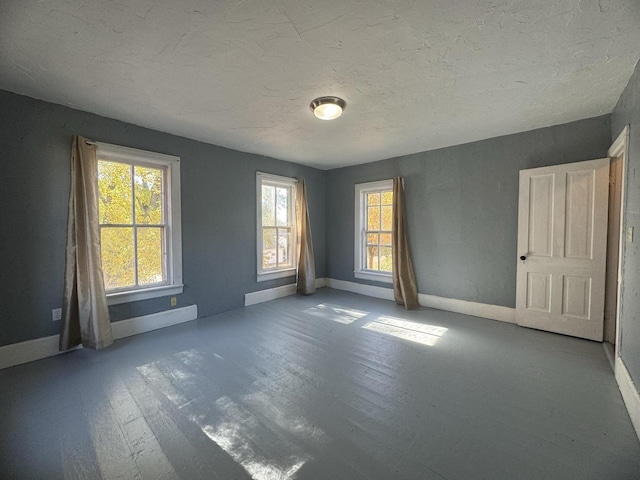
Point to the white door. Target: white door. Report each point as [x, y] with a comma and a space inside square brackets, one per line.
[562, 248]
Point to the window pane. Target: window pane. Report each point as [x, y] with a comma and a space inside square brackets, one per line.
[372, 239]
[148, 194]
[150, 256]
[385, 239]
[268, 205]
[284, 247]
[373, 199]
[282, 206]
[373, 218]
[387, 198]
[268, 247]
[387, 213]
[385, 259]
[114, 187]
[372, 258]
[117, 257]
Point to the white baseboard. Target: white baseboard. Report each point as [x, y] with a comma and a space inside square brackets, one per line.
[609, 351]
[154, 321]
[269, 294]
[630, 393]
[493, 312]
[273, 293]
[484, 310]
[23, 352]
[368, 290]
[30, 350]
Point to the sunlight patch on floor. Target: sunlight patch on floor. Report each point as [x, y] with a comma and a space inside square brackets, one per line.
[262, 403]
[336, 313]
[229, 436]
[153, 375]
[406, 330]
[232, 425]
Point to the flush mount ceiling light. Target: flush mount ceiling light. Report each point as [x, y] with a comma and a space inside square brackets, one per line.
[328, 108]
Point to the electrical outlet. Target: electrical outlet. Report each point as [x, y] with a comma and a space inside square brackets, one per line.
[630, 234]
[56, 314]
[174, 301]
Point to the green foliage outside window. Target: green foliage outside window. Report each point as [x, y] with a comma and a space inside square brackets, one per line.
[132, 227]
[379, 216]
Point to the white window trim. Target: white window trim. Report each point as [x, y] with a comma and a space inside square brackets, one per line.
[272, 274]
[173, 285]
[359, 221]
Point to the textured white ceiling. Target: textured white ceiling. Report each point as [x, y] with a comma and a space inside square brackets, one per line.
[416, 75]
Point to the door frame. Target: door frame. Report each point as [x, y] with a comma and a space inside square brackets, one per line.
[620, 148]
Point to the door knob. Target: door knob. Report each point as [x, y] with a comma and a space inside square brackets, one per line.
[523, 258]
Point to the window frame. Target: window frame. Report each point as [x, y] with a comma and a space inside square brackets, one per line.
[264, 275]
[359, 271]
[173, 221]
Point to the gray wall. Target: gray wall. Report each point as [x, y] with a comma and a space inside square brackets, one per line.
[461, 202]
[627, 112]
[218, 214]
[462, 207]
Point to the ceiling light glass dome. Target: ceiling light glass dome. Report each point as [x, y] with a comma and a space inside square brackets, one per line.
[328, 108]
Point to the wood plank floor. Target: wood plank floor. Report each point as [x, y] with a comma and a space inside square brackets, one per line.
[332, 386]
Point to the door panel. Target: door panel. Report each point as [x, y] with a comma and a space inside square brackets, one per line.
[579, 228]
[541, 215]
[562, 234]
[539, 292]
[576, 296]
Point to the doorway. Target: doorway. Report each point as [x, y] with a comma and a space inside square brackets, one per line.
[615, 243]
[571, 245]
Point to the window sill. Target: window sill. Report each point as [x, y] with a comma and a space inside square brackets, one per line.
[289, 272]
[374, 276]
[143, 294]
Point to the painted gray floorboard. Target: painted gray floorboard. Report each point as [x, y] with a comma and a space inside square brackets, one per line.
[331, 386]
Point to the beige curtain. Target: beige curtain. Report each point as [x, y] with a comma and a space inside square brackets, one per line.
[85, 315]
[306, 263]
[405, 290]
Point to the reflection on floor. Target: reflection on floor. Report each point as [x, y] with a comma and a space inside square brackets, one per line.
[184, 379]
[339, 314]
[331, 386]
[412, 331]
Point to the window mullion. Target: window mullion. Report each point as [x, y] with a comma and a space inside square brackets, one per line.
[261, 259]
[275, 218]
[167, 270]
[135, 227]
[277, 245]
[363, 240]
[379, 230]
[363, 237]
[293, 223]
[363, 231]
[128, 225]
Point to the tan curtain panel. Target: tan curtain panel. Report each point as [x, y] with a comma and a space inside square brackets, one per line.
[405, 289]
[306, 262]
[85, 315]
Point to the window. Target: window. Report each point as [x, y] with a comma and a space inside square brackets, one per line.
[276, 226]
[139, 215]
[373, 217]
